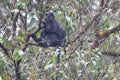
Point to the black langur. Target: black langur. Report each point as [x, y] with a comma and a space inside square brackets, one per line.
[52, 34]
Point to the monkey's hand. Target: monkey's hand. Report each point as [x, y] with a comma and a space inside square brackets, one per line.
[28, 33]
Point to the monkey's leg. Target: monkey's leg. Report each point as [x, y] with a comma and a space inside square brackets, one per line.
[42, 43]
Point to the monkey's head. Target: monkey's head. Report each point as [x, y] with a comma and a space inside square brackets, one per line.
[49, 16]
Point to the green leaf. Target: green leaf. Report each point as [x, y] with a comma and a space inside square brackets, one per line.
[68, 19]
[6, 42]
[107, 25]
[18, 54]
[21, 35]
[63, 21]
[1, 40]
[15, 10]
[48, 66]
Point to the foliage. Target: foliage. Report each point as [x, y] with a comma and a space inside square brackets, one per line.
[20, 17]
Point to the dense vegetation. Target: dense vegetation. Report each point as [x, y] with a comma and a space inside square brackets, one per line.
[92, 40]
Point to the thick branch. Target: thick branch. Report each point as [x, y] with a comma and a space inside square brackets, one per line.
[100, 37]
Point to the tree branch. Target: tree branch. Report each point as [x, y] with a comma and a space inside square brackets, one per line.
[5, 49]
[101, 36]
[111, 53]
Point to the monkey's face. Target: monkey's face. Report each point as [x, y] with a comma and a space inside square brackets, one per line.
[49, 16]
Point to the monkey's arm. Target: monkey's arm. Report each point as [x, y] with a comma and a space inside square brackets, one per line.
[39, 41]
[35, 38]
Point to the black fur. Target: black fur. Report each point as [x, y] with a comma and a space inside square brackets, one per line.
[52, 34]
